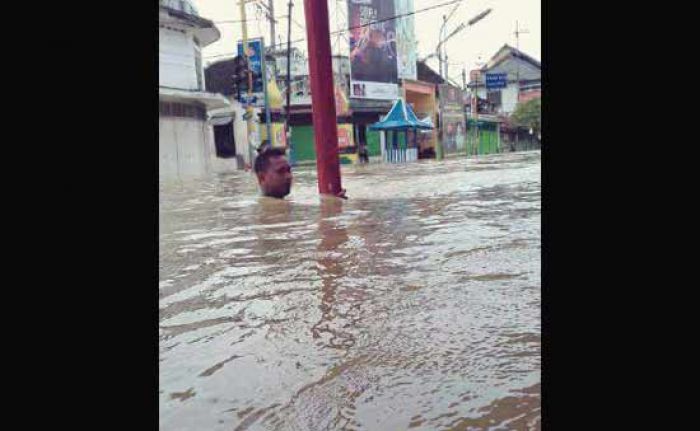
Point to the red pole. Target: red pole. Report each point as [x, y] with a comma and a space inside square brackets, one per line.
[322, 96]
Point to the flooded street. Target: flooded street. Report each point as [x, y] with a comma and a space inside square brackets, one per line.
[414, 305]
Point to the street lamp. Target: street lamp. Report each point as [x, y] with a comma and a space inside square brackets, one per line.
[445, 18]
[439, 49]
[479, 17]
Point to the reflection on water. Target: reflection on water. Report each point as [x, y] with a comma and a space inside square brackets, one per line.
[415, 304]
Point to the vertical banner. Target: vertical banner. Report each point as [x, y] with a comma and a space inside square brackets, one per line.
[347, 152]
[453, 126]
[342, 105]
[345, 138]
[373, 57]
[255, 50]
[406, 40]
[279, 138]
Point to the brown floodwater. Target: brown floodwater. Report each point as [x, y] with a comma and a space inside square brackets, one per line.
[413, 305]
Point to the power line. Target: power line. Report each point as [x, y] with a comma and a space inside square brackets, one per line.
[359, 26]
[238, 21]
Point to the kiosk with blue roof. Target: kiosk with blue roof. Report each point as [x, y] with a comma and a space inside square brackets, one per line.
[400, 118]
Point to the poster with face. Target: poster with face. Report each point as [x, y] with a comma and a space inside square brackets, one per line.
[453, 130]
[255, 55]
[373, 56]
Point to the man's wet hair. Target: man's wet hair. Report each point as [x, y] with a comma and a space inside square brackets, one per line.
[262, 162]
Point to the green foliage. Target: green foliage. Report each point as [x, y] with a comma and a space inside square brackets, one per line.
[529, 115]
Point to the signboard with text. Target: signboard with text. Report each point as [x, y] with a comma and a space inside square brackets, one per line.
[496, 80]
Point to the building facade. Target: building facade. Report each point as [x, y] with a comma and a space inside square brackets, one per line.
[524, 79]
[185, 136]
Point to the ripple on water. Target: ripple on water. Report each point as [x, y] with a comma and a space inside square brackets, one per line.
[413, 305]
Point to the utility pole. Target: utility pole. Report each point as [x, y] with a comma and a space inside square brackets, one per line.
[271, 9]
[445, 18]
[318, 40]
[447, 75]
[517, 33]
[476, 114]
[268, 119]
[477, 138]
[289, 81]
[440, 48]
[249, 107]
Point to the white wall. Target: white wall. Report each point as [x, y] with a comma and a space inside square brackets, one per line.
[185, 148]
[509, 98]
[299, 66]
[176, 60]
[515, 66]
[240, 132]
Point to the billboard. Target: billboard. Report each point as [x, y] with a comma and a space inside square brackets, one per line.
[255, 51]
[453, 129]
[406, 40]
[373, 57]
[342, 105]
[450, 97]
[345, 136]
[454, 132]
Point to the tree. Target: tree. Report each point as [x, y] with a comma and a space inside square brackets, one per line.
[529, 115]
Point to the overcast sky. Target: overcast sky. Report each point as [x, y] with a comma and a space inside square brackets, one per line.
[476, 43]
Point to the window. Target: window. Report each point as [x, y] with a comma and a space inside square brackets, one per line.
[173, 109]
[224, 141]
[494, 97]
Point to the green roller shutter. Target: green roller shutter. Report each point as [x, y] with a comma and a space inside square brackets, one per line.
[373, 140]
[303, 141]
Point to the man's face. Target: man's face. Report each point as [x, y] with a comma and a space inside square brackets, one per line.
[276, 181]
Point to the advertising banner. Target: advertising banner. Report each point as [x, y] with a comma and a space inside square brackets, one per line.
[406, 40]
[451, 98]
[373, 56]
[453, 133]
[345, 136]
[255, 51]
[453, 123]
[279, 138]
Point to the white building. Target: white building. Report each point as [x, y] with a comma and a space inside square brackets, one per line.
[185, 139]
[299, 68]
[524, 78]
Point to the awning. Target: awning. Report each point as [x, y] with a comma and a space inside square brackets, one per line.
[209, 100]
[220, 121]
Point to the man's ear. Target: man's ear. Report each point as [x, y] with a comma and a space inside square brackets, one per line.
[261, 177]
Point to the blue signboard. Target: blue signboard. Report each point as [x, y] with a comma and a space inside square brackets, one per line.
[252, 100]
[255, 50]
[496, 80]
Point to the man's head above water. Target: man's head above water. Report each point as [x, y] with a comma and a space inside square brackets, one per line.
[274, 173]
